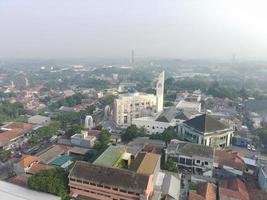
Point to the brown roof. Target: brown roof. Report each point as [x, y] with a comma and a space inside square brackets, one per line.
[27, 160]
[7, 136]
[19, 125]
[145, 163]
[113, 177]
[37, 167]
[231, 159]
[205, 191]
[233, 188]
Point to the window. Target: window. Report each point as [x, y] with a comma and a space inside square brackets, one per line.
[123, 191]
[198, 161]
[93, 184]
[206, 163]
[116, 189]
[107, 187]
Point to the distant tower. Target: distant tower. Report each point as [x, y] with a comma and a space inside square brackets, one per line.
[89, 123]
[160, 92]
[132, 58]
[233, 59]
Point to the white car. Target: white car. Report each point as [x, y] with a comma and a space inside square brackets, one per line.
[248, 147]
[253, 148]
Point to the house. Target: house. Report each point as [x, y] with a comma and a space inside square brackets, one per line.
[12, 134]
[105, 183]
[26, 162]
[167, 186]
[83, 140]
[233, 189]
[193, 157]
[38, 167]
[204, 191]
[63, 161]
[228, 164]
[39, 120]
[51, 154]
[206, 130]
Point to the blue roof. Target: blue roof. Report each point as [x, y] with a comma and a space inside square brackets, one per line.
[61, 160]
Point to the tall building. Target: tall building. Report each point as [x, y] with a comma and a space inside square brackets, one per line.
[133, 104]
[132, 58]
[160, 92]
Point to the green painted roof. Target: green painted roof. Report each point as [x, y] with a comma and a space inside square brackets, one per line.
[110, 156]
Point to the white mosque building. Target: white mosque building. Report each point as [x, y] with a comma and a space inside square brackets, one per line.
[133, 104]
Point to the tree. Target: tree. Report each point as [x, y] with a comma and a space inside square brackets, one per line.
[167, 135]
[4, 155]
[132, 132]
[171, 165]
[73, 130]
[54, 181]
[103, 140]
[107, 100]
[262, 133]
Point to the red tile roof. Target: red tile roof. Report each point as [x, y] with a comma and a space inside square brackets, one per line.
[37, 167]
[7, 136]
[27, 160]
[205, 191]
[231, 159]
[233, 188]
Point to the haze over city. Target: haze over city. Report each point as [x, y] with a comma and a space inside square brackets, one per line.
[185, 29]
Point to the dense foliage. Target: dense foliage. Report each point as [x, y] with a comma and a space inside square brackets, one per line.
[4, 155]
[11, 111]
[132, 132]
[54, 181]
[167, 135]
[68, 101]
[107, 100]
[104, 139]
[43, 133]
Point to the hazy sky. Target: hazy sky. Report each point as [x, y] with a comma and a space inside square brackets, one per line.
[153, 28]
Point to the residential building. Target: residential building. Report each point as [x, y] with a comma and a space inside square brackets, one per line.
[233, 189]
[12, 134]
[228, 164]
[167, 186]
[193, 157]
[39, 120]
[51, 154]
[105, 183]
[25, 163]
[206, 130]
[204, 191]
[135, 105]
[83, 140]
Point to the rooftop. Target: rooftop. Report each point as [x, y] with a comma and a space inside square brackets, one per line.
[205, 123]
[231, 159]
[205, 191]
[145, 163]
[27, 160]
[51, 154]
[233, 189]
[171, 113]
[110, 156]
[190, 149]
[61, 160]
[37, 167]
[114, 177]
